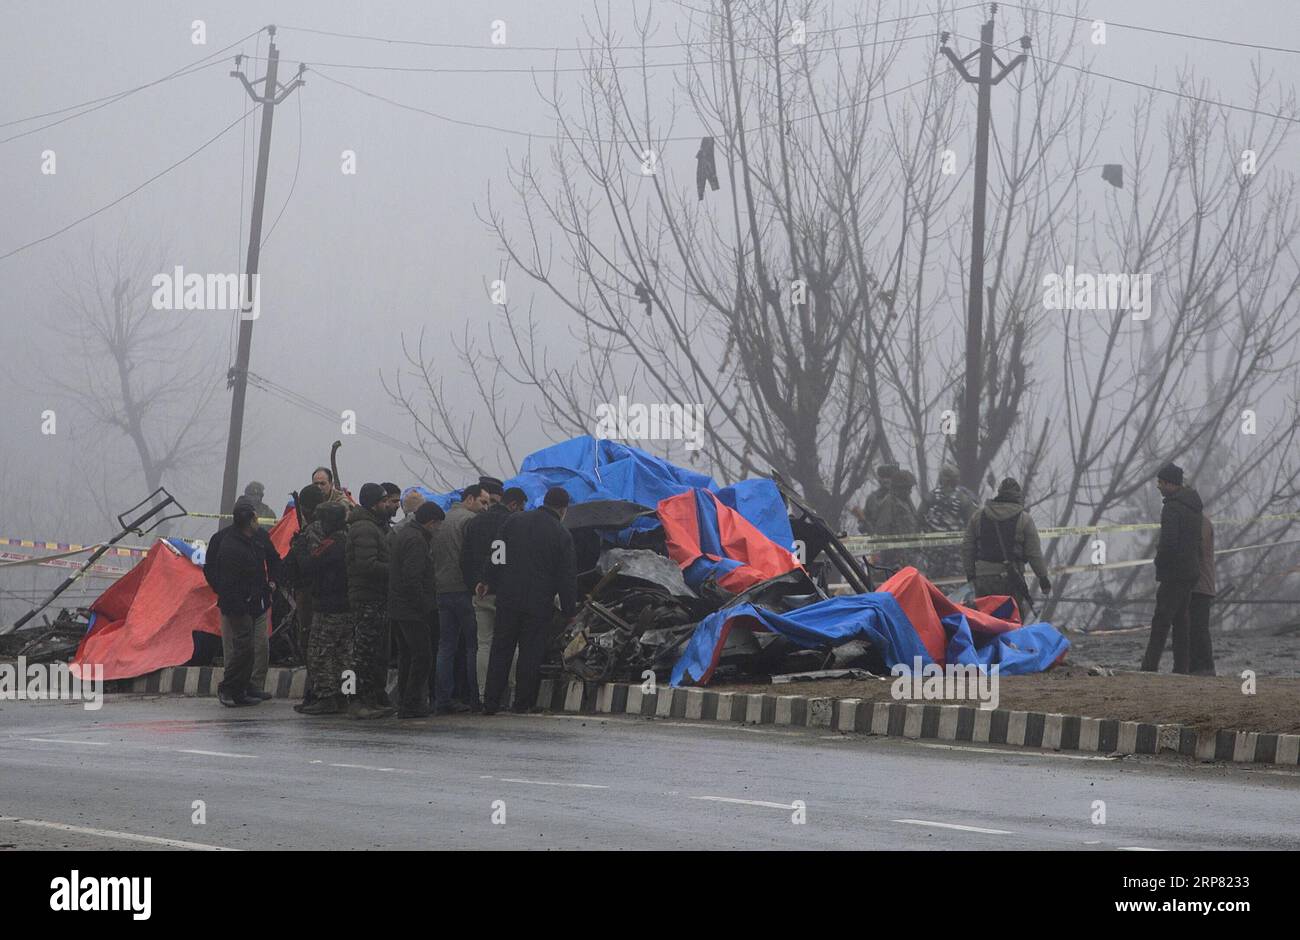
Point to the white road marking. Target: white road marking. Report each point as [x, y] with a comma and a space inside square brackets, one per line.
[186, 750]
[363, 767]
[1014, 750]
[1137, 848]
[62, 741]
[943, 825]
[730, 799]
[546, 783]
[113, 834]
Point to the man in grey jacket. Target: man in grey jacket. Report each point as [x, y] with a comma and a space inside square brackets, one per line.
[456, 622]
[1000, 539]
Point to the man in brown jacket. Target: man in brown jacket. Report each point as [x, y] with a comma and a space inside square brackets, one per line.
[1201, 648]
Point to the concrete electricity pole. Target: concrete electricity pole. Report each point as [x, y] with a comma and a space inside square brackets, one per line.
[968, 425]
[237, 378]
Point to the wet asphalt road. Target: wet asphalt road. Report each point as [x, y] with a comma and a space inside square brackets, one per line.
[127, 777]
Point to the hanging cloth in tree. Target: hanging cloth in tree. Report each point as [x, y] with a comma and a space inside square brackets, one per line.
[706, 171]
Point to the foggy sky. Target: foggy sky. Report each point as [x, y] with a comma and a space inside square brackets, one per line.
[356, 261]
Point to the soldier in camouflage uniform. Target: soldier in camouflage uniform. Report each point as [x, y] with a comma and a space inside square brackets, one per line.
[947, 508]
[330, 649]
[304, 542]
[367, 561]
[895, 516]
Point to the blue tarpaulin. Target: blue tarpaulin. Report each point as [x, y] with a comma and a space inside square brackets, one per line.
[597, 468]
[879, 619]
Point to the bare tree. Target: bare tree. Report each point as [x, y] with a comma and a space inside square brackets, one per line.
[134, 372]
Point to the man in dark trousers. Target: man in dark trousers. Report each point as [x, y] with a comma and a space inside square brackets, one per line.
[535, 566]
[1178, 566]
[411, 606]
[1000, 539]
[1200, 646]
[247, 567]
[481, 537]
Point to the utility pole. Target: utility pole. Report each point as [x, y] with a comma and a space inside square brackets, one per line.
[968, 423]
[237, 378]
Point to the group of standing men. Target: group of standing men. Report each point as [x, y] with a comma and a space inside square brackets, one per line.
[1000, 538]
[457, 592]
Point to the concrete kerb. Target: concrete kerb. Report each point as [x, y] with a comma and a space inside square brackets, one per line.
[917, 721]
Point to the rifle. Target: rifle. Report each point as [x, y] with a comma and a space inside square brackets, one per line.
[1015, 573]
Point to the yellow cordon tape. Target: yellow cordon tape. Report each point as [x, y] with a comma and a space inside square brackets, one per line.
[268, 520]
[70, 548]
[1130, 563]
[861, 544]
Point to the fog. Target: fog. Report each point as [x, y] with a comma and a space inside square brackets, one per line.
[354, 261]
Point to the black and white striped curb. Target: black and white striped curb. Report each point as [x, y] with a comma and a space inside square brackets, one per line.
[203, 680]
[922, 721]
[919, 721]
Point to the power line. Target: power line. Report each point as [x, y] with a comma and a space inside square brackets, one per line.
[1162, 32]
[1156, 88]
[63, 120]
[601, 140]
[321, 410]
[127, 195]
[576, 69]
[293, 184]
[106, 100]
[598, 49]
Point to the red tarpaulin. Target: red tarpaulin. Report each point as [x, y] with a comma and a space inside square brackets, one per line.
[147, 619]
[926, 606]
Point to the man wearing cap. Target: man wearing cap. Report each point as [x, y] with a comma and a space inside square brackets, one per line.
[947, 508]
[456, 622]
[895, 515]
[247, 565]
[1178, 567]
[482, 537]
[536, 566]
[367, 561]
[866, 516]
[411, 606]
[303, 543]
[1000, 539]
[329, 653]
[255, 491]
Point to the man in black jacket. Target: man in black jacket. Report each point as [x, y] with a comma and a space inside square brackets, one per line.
[1178, 566]
[330, 649]
[481, 535]
[411, 606]
[536, 565]
[246, 566]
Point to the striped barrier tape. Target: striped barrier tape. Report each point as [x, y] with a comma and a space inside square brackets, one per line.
[264, 520]
[72, 548]
[862, 544]
[13, 559]
[1129, 563]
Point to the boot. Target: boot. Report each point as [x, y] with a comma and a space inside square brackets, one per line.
[365, 711]
[330, 705]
